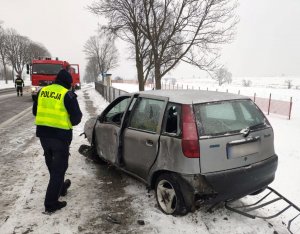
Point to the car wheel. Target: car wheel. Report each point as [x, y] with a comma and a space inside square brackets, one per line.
[169, 196]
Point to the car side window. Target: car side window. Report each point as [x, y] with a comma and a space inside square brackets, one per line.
[146, 114]
[172, 119]
[115, 114]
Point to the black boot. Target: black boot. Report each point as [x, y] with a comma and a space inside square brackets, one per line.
[65, 187]
[56, 206]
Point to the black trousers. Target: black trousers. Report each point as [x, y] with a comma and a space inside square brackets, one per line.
[19, 89]
[56, 154]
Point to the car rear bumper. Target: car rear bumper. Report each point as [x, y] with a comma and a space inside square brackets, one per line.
[239, 182]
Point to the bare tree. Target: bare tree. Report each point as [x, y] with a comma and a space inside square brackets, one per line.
[288, 83]
[92, 70]
[3, 52]
[222, 75]
[246, 83]
[191, 29]
[124, 16]
[171, 30]
[103, 50]
[36, 50]
[17, 50]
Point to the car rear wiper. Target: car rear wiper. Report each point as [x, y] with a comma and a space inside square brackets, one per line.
[263, 124]
[246, 131]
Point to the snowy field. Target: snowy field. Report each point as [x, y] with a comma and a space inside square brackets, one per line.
[98, 192]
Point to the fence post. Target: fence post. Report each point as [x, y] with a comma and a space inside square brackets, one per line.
[199, 87]
[207, 88]
[239, 92]
[109, 94]
[114, 90]
[290, 111]
[119, 92]
[269, 104]
[227, 90]
[182, 86]
[254, 97]
[165, 85]
[187, 87]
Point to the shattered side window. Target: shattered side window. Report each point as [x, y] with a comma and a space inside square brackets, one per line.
[172, 119]
[146, 114]
[115, 114]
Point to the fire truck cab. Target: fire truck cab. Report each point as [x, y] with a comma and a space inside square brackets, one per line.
[43, 72]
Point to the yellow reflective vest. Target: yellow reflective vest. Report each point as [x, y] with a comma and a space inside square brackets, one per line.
[51, 110]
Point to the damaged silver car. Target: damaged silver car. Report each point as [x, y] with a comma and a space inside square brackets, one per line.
[191, 147]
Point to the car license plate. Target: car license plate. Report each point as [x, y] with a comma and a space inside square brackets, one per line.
[241, 150]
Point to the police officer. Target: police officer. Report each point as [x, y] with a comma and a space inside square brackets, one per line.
[56, 110]
[19, 84]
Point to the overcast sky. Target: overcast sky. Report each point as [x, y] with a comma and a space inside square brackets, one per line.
[267, 41]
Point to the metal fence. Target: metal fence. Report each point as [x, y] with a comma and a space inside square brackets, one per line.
[267, 105]
[109, 93]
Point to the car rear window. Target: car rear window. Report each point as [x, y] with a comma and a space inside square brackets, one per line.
[228, 117]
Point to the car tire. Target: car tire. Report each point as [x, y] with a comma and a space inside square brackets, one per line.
[169, 196]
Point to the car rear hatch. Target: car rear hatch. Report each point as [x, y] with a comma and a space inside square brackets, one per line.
[232, 134]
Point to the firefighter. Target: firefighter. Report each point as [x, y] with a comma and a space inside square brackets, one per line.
[19, 84]
[56, 110]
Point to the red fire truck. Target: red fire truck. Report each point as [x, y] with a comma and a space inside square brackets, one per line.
[43, 72]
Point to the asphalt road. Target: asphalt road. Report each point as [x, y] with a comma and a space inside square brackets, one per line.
[11, 105]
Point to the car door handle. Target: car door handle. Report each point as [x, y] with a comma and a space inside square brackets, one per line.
[149, 143]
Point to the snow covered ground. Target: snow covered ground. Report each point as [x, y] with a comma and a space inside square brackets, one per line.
[11, 84]
[100, 194]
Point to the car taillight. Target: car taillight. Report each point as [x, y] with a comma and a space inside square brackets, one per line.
[190, 141]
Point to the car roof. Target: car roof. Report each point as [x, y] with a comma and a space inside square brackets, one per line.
[193, 96]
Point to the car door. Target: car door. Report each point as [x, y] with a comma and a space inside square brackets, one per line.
[141, 136]
[107, 129]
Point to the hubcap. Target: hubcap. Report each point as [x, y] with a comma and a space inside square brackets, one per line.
[166, 196]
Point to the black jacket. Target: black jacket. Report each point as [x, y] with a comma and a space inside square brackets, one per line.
[74, 111]
[19, 82]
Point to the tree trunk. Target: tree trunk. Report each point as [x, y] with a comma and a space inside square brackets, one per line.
[157, 75]
[139, 66]
[5, 73]
[140, 76]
